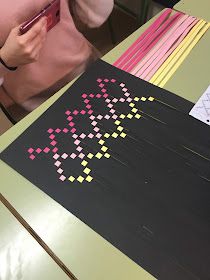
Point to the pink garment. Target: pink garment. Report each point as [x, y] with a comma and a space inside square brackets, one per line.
[65, 54]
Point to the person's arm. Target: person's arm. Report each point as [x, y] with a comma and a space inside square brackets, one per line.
[92, 13]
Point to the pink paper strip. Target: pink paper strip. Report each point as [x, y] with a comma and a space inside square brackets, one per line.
[170, 51]
[169, 41]
[154, 38]
[128, 53]
[182, 19]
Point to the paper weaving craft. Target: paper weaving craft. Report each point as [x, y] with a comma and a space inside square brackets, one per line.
[201, 110]
[125, 157]
[161, 49]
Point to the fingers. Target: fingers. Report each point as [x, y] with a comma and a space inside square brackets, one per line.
[35, 30]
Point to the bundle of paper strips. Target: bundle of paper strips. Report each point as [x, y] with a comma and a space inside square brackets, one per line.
[161, 49]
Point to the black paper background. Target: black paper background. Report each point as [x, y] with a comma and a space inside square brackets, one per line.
[156, 207]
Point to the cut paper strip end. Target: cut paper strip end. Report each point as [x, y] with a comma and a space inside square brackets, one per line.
[132, 105]
[99, 117]
[120, 128]
[122, 116]
[107, 117]
[71, 179]
[106, 135]
[88, 107]
[130, 116]
[67, 112]
[90, 155]
[107, 155]
[87, 170]
[84, 163]
[94, 123]
[98, 155]
[114, 135]
[114, 117]
[151, 98]
[76, 112]
[80, 179]
[60, 170]
[143, 98]
[81, 155]
[46, 150]
[75, 136]
[92, 117]
[73, 130]
[101, 142]
[57, 163]
[32, 157]
[64, 156]
[89, 178]
[56, 156]
[123, 135]
[79, 149]
[104, 148]
[62, 178]
[98, 135]
[77, 142]
[136, 98]
[117, 122]
[82, 136]
[30, 150]
[137, 116]
[71, 124]
[55, 150]
[73, 156]
[53, 143]
[134, 110]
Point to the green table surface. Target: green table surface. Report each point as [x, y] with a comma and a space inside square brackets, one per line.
[83, 251]
[21, 257]
[200, 9]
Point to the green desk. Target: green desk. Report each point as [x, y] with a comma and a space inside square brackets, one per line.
[21, 257]
[83, 251]
[200, 9]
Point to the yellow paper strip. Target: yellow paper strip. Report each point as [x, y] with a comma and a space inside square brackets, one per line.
[159, 75]
[182, 58]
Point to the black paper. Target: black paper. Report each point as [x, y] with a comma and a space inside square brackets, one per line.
[151, 198]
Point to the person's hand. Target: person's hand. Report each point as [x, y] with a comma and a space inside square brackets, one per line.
[23, 49]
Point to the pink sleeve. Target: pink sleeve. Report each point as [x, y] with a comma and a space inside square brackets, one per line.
[93, 13]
